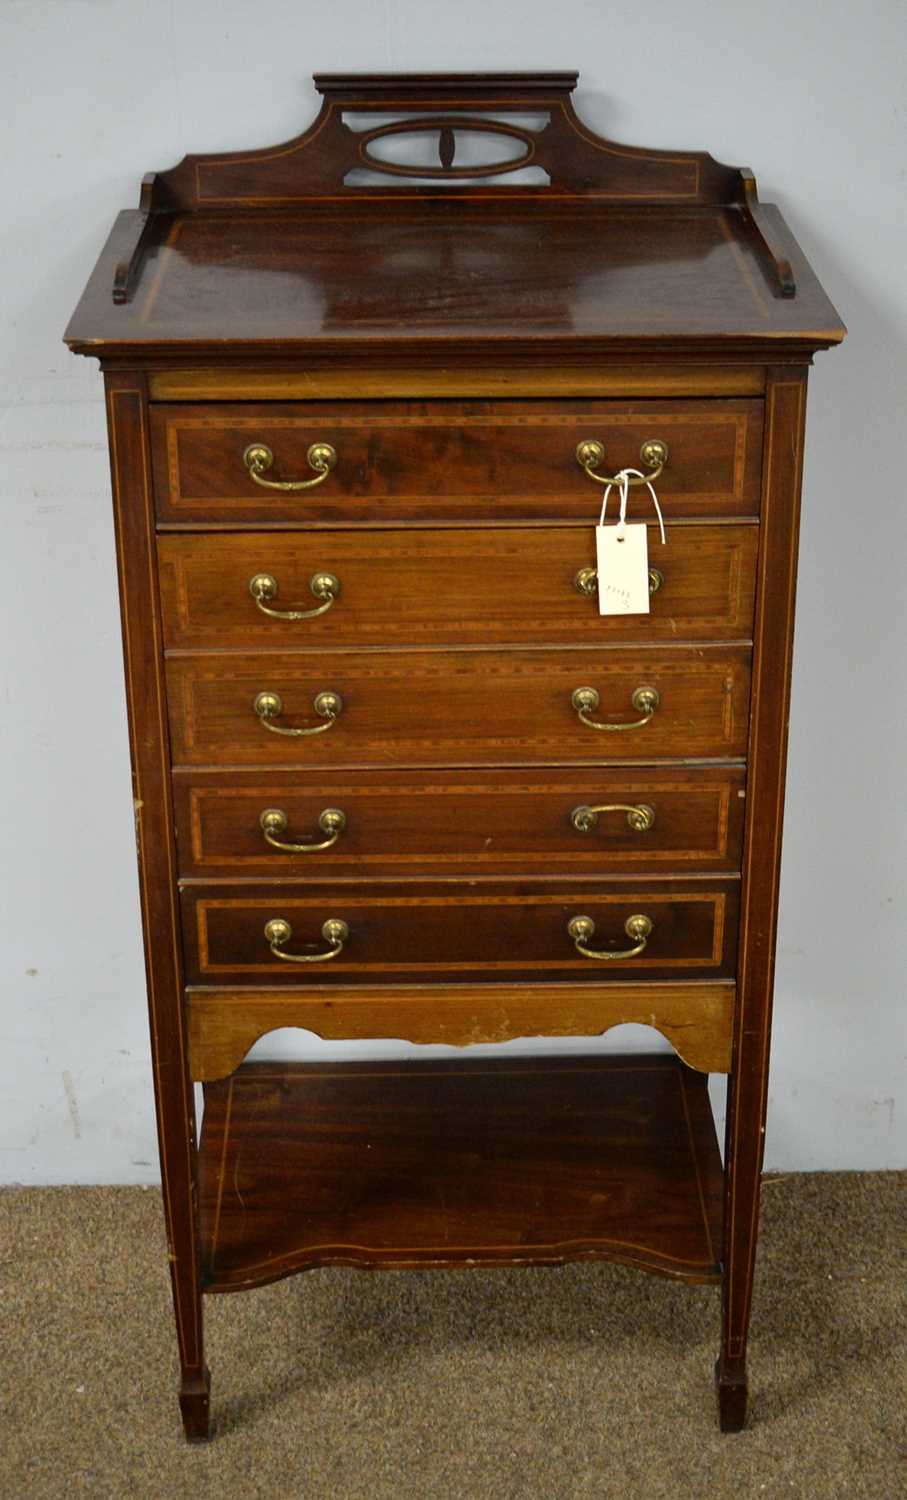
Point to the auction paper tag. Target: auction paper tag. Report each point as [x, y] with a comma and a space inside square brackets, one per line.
[622, 560]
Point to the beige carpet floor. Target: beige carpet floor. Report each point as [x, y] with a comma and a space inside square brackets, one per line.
[593, 1381]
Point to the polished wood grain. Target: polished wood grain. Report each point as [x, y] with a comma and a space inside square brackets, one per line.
[329, 379]
[452, 287]
[482, 1163]
[453, 823]
[620, 245]
[417, 285]
[748, 1089]
[467, 587]
[696, 1018]
[174, 1098]
[516, 930]
[449, 708]
[449, 461]
[534, 108]
[450, 336]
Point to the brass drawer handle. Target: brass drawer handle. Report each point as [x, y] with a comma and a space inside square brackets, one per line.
[638, 927]
[269, 706]
[324, 586]
[585, 581]
[274, 820]
[258, 459]
[653, 452]
[640, 816]
[278, 931]
[645, 700]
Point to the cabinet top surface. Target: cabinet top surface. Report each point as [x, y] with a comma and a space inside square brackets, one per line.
[336, 240]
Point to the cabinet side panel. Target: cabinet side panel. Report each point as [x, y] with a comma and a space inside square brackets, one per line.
[136, 557]
[772, 658]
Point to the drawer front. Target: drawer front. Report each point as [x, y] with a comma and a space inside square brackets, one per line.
[459, 708]
[468, 586]
[397, 823]
[448, 460]
[458, 934]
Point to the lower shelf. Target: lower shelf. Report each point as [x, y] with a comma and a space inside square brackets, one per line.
[474, 1162]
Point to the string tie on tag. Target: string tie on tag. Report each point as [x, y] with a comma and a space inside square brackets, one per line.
[623, 482]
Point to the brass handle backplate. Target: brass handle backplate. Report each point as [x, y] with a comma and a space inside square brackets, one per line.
[274, 820]
[653, 455]
[269, 706]
[640, 815]
[585, 581]
[324, 586]
[637, 927]
[585, 700]
[278, 931]
[258, 459]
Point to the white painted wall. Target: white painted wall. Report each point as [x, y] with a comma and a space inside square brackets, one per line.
[95, 92]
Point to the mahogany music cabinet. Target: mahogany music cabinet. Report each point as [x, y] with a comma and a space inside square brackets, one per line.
[396, 776]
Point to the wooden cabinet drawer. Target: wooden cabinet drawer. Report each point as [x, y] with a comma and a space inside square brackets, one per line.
[457, 932]
[458, 708]
[469, 586]
[448, 460]
[451, 823]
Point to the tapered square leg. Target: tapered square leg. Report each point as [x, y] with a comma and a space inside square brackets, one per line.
[127, 404]
[195, 1399]
[731, 1389]
[785, 405]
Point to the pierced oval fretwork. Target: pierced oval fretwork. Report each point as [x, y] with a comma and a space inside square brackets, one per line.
[447, 129]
